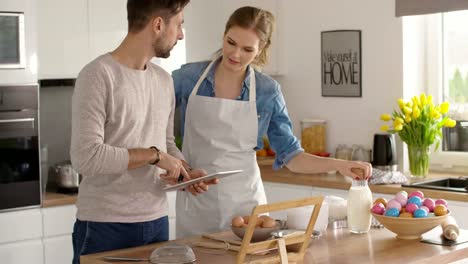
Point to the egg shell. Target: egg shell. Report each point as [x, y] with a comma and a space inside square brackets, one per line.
[415, 200]
[424, 208]
[416, 193]
[378, 208]
[237, 221]
[411, 207]
[441, 201]
[429, 203]
[440, 209]
[394, 204]
[401, 198]
[403, 193]
[381, 200]
[406, 215]
[393, 212]
[420, 213]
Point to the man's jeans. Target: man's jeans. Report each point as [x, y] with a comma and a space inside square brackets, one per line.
[93, 237]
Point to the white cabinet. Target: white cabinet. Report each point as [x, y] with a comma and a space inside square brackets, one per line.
[62, 38]
[106, 29]
[20, 225]
[58, 250]
[71, 33]
[28, 251]
[20, 237]
[58, 229]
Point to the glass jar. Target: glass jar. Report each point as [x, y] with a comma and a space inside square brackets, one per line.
[313, 135]
[359, 206]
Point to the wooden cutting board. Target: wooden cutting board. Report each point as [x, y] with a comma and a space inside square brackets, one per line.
[225, 236]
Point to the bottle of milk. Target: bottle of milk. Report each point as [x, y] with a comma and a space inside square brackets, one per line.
[359, 205]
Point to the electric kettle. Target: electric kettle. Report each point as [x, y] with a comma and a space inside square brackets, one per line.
[384, 152]
[67, 178]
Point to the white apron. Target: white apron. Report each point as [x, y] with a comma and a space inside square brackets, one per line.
[220, 134]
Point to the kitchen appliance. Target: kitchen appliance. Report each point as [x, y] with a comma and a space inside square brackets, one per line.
[18, 42]
[12, 47]
[67, 179]
[456, 138]
[384, 152]
[19, 147]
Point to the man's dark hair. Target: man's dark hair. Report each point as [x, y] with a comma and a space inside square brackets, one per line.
[140, 12]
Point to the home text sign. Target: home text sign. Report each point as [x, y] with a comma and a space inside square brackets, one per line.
[341, 63]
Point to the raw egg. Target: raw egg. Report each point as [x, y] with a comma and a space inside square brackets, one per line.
[268, 222]
[238, 221]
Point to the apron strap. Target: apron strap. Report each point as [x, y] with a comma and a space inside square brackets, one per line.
[252, 88]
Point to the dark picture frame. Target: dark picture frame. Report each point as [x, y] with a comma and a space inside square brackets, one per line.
[341, 63]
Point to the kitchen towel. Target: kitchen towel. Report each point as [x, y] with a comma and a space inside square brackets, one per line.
[387, 177]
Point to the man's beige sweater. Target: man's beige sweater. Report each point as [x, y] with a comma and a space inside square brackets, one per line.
[116, 108]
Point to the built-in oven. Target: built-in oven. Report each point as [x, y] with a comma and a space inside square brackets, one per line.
[19, 147]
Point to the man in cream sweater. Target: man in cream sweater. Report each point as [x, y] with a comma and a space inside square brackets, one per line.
[122, 135]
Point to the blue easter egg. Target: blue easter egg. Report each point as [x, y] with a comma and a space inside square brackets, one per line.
[393, 212]
[420, 213]
[415, 200]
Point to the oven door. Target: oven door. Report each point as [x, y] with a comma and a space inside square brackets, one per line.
[19, 160]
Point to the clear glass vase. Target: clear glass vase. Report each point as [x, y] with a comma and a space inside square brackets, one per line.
[418, 160]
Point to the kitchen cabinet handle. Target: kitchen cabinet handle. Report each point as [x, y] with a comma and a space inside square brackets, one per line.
[17, 120]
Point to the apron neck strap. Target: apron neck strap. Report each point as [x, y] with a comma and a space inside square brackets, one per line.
[252, 89]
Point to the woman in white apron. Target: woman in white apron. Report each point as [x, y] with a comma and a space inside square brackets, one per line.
[220, 103]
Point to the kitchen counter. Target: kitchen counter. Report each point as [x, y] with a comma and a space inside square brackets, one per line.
[52, 198]
[323, 180]
[338, 181]
[336, 246]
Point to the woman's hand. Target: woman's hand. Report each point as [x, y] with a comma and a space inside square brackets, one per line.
[200, 187]
[173, 167]
[357, 170]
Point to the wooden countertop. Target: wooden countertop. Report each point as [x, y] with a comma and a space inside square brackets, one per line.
[323, 180]
[337, 181]
[57, 199]
[336, 246]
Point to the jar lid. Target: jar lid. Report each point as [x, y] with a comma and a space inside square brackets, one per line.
[313, 121]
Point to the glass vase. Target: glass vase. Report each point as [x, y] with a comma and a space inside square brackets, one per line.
[418, 160]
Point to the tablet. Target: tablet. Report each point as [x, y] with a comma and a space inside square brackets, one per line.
[217, 175]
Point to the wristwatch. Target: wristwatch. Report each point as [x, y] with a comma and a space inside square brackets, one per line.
[158, 155]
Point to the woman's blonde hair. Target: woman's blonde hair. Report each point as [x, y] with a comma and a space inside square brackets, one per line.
[261, 22]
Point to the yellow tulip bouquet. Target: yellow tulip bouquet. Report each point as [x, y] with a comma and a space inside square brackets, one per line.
[419, 124]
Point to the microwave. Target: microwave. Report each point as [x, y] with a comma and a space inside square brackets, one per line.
[12, 45]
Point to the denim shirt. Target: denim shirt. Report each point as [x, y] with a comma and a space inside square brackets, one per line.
[273, 119]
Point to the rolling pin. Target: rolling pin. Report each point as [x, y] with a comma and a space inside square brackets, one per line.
[450, 228]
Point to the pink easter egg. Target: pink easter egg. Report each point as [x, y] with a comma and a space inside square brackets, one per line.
[416, 193]
[424, 208]
[411, 207]
[378, 208]
[403, 193]
[441, 201]
[394, 204]
[429, 203]
[401, 198]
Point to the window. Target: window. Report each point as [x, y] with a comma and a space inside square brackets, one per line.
[446, 47]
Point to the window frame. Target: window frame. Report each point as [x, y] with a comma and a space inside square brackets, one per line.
[455, 161]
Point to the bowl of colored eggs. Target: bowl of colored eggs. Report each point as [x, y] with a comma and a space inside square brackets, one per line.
[410, 216]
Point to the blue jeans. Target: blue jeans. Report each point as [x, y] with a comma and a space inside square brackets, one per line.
[93, 237]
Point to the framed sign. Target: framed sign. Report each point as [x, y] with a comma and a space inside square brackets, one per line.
[341, 63]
